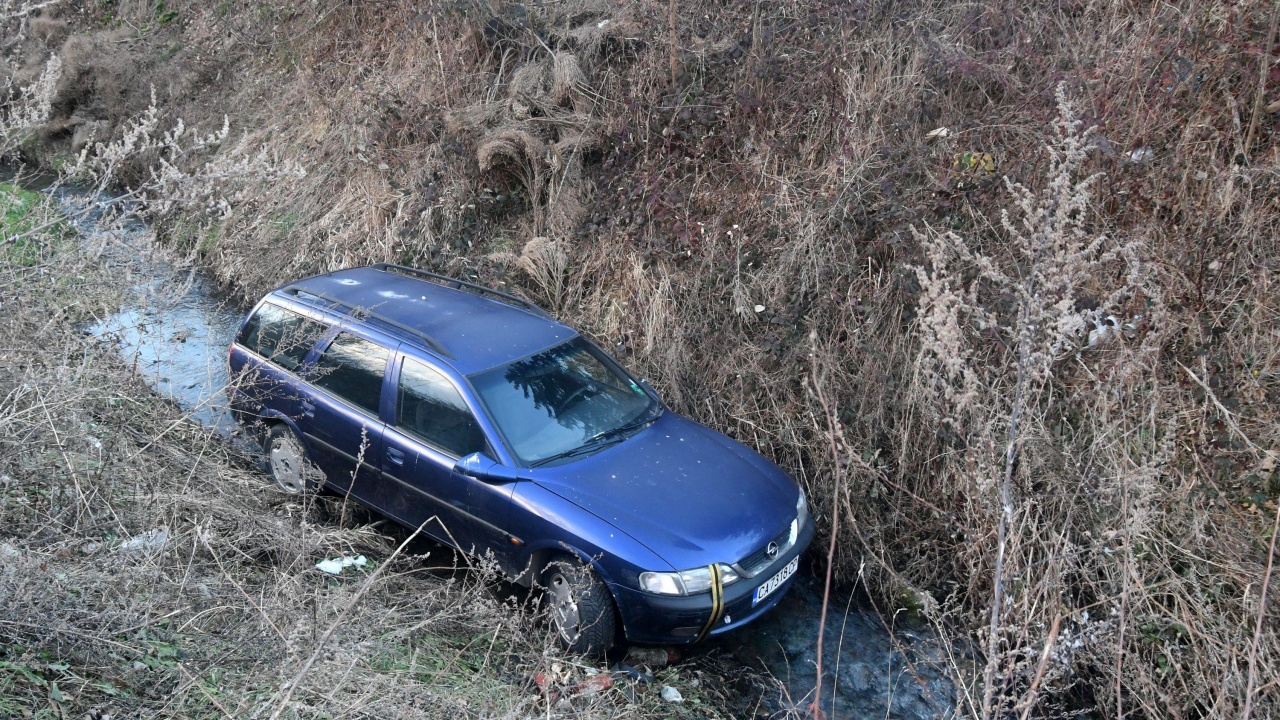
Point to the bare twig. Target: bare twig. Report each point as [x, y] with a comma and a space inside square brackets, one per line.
[1264, 61]
[1262, 612]
[1029, 701]
[832, 429]
[1226, 414]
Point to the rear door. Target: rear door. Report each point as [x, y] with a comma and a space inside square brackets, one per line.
[340, 417]
[266, 358]
[432, 428]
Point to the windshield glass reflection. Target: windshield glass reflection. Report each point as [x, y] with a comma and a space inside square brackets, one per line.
[559, 399]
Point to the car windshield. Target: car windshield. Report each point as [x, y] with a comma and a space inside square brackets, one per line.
[560, 400]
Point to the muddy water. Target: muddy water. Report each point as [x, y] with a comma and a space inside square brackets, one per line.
[175, 329]
[872, 666]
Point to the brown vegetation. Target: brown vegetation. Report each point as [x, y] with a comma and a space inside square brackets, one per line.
[707, 190]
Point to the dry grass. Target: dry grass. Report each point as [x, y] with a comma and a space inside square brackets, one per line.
[782, 156]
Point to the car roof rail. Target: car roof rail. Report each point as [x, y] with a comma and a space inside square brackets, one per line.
[305, 294]
[457, 284]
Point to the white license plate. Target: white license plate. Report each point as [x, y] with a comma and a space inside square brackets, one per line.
[776, 581]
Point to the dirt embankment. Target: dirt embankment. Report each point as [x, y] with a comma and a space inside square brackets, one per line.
[1056, 433]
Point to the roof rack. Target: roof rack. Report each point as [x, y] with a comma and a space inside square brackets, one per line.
[338, 306]
[461, 284]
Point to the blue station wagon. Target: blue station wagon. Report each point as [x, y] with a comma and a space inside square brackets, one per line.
[476, 417]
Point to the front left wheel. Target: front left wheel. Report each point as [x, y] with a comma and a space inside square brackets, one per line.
[581, 607]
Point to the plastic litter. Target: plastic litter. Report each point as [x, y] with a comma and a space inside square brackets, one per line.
[671, 694]
[148, 543]
[335, 566]
[1141, 155]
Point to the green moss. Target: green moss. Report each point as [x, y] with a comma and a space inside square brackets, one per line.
[26, 212]
[210, 240]
[164, 15]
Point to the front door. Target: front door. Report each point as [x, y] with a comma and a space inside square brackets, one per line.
[432, 429]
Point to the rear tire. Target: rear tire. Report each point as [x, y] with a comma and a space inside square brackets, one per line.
[580, 606]
[288, 462]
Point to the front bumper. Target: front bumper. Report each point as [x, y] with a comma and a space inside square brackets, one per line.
[678, 620]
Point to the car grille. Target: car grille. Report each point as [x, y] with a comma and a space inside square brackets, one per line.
[757, 561]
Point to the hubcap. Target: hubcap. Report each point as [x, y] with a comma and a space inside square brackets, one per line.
[286, 465]
[564, 609]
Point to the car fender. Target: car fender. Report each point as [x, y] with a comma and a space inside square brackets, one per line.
[551, 525]
[269, 415]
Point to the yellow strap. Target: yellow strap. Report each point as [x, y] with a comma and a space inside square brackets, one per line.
[717, 602]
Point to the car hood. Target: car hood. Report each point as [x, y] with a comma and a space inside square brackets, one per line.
[686, 492]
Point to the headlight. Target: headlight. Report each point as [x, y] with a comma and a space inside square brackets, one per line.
[685, 582]
[802, 517]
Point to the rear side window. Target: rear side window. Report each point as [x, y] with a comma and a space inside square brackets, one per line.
[427, 405]
[283, 336]
[352, 369]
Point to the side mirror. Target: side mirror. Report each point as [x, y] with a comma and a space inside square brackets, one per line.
[482, 467]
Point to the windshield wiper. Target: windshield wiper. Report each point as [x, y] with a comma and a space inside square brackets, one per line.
[603, 438]
[621, 430]
[593, 444]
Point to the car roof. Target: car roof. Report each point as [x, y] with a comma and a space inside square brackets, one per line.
[472, 331]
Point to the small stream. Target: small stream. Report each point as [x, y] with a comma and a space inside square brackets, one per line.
[175, 328]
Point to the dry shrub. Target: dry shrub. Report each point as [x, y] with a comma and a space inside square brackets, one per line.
[546, 262]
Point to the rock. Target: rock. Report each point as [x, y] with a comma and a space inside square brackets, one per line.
[671, 694]
[653, 658]
[88, 131]
[856, 677]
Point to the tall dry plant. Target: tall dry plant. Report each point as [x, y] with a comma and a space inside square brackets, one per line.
[23, 111]
[1040, 357]
[198, 173]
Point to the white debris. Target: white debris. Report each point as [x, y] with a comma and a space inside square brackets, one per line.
[671, 694]
[759, 308]
[148, 543]
[334, 566]
[939, 133]
[1105, 331]
[1142, 155]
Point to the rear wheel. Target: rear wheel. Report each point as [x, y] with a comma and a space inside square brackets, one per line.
[287, 461]
[581, 607]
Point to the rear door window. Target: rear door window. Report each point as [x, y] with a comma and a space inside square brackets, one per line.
[352, 368]
[428, 406]
[280, 335]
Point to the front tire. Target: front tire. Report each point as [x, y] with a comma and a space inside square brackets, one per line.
[288, 463]
[581, 607]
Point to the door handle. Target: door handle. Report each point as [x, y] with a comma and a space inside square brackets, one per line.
[308, 408]
[395, 456]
